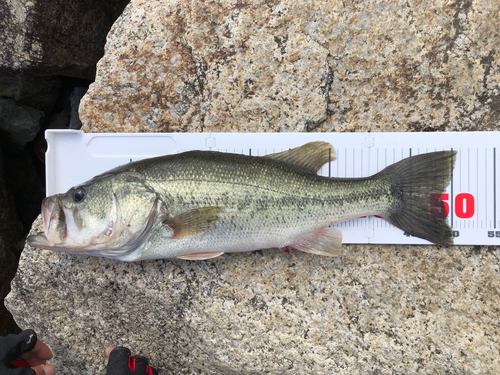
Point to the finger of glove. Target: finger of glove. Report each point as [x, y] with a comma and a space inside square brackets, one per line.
[118, 361]
[139, 364]
[12, 346]
[153, 371]
[38, 355]
[44, 370]
[37, 370]
[22, 371]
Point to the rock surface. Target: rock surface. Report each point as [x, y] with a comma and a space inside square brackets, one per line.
[288, 65]
[284, 66]
[10, 235]
[10, 227]
[75, 98]
[378, 310]
[18, 123]
[37, 92]
[55, 36]
[7, 272]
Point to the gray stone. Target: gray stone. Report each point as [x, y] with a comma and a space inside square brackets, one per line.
[75, 98]
[20, 123]
[60, 119]
[294, 65]
[55, 36]
[10, 235]
[10, 226]
[36, 92]
[7, 271]
[25, 182]
[379, 309]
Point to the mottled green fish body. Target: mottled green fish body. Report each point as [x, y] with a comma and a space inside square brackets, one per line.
[200, 204]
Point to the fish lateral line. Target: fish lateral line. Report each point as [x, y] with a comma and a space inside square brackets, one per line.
[290, 204]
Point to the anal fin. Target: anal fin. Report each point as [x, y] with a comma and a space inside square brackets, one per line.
[201, 256]
[326, 242]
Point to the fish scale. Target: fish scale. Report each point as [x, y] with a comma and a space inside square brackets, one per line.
[200, 204]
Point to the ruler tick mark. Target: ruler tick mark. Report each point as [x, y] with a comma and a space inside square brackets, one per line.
[494, 187]
[451, 200]
[329, 162]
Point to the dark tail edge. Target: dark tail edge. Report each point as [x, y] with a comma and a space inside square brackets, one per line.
[414, 181]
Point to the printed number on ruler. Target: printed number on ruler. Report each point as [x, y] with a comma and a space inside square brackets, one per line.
[463, 209]
[464, 205]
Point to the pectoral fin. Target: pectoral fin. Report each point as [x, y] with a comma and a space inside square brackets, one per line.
[201, 256]
[311, 156]
[326, 242]
[194, 222]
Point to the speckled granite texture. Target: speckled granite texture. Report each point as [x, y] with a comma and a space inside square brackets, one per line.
[295, 65]
[284, 66]
[378, 310]
[43, 38]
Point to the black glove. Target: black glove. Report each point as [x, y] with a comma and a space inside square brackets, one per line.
[11, 347]
[121, 363]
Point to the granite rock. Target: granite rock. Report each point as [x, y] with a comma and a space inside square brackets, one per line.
[283, 66]
[296, 65]
[377, 310]
[55, 36]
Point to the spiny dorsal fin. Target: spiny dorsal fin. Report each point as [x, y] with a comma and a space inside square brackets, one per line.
[311, 156]
[194, 222]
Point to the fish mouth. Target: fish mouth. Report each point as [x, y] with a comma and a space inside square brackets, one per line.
[59, 225]
[40, 241]
[53, 219]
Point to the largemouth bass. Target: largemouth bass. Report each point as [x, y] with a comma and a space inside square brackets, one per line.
[201, 204]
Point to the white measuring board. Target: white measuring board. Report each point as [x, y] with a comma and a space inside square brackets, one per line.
[74, 157]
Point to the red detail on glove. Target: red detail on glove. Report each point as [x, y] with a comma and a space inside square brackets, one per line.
[148, 370]
[20, 363]
[131, 363]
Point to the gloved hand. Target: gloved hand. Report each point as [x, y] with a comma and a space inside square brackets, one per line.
[121, 363]
[19, 352]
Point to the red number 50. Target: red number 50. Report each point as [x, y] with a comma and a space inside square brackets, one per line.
[464, 205]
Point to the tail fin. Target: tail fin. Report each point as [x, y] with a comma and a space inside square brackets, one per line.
[413, 182]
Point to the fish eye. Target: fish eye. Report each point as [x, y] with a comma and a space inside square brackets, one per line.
[78, 194]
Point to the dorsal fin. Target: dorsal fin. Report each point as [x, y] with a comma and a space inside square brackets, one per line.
[311, 156]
